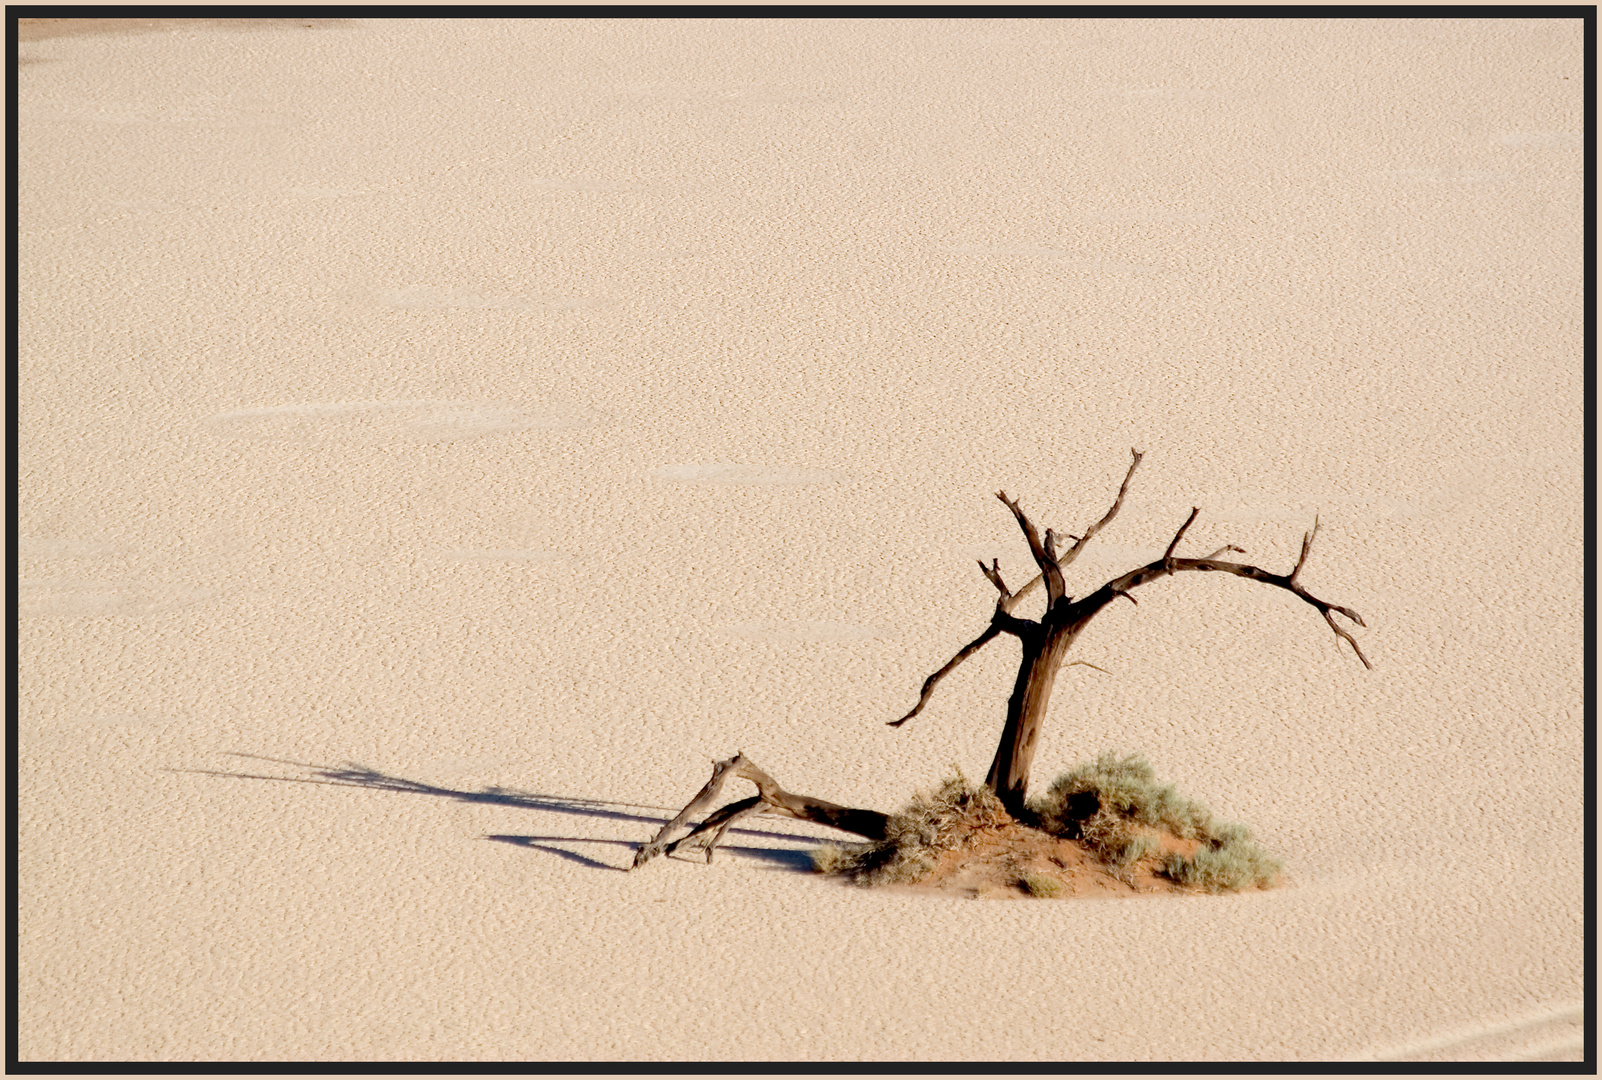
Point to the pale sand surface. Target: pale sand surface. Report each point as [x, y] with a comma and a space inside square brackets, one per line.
[440, 441]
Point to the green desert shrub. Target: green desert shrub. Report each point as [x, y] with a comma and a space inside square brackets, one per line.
[1102, 802]
[1117, 789]
[1229, 861]
[933, 822]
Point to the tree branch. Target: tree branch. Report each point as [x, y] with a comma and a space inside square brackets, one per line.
[770, 798]
[719, 821]
[1172, 544]
[993, 572]
[1034, 583]
[1008, 601]
[1068, 556]
[704, 798]
[967, 650]
[1168, 565]
[1045, 555]
[1073, 553]
[1043, 559]
[1307, 545]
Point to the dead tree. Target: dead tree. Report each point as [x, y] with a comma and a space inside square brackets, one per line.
[1045, 645]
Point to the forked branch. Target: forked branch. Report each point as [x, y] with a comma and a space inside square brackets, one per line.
[770, 798]
[1067, 557]
[993, 572]
[1169, 565]
[1050, 563]
[1044, 558]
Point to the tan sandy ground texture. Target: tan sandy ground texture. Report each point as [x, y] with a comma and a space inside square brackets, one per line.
[441, 440]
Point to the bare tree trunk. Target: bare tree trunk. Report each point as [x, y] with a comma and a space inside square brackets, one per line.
[1026, 711]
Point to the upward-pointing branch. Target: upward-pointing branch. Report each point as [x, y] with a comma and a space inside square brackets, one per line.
[1307, 545]
[1044, 559]
[1174, 543]
[1073, 553]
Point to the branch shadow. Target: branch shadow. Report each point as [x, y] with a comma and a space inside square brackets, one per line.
[352, 774]
[782, 858]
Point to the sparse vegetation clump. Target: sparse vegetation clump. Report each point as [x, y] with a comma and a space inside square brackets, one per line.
[1135, 831]
[1106, 803]
[1094, 800]
[951, 816]
[1230, 861]
[1042, 885]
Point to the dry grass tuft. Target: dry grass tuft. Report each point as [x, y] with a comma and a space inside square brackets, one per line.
[1230, 861]
[951, 816]
[1041, 885]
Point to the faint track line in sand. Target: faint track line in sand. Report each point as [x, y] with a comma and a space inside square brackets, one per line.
[373, 423]
[1574, 1011]
[1572, 1044]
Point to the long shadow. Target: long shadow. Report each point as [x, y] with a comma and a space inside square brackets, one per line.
[354, 775]
[788, 859]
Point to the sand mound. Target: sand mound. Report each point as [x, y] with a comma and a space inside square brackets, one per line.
[1017, 860]
[1107, 828]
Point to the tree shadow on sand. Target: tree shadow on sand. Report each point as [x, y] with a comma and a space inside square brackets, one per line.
[355, 775]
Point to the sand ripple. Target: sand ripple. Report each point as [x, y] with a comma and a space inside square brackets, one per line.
[366, 423]
[713, 473]
[803, 632]
[71, 597]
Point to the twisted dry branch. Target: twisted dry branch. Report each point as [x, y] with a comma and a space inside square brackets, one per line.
[1169, 565]
[770, 798]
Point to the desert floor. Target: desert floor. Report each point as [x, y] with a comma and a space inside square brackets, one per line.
[440, 440]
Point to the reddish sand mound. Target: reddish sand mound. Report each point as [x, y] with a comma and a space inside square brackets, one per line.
[1015, 860]
[1107, 828]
